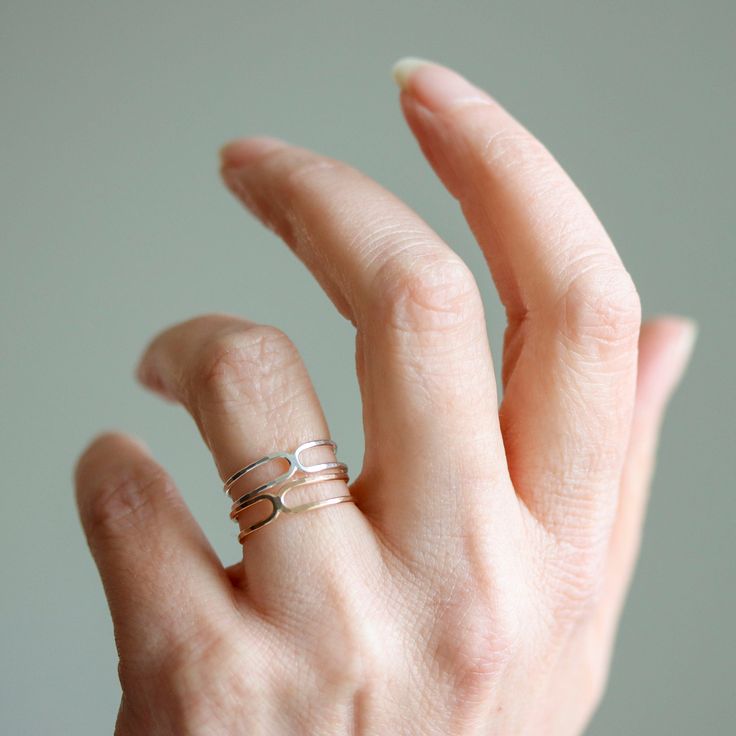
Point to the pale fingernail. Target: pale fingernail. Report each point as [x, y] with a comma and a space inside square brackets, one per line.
[403, 69]
[435, 86]
[687, 340]
[244, 151]
[681, 350]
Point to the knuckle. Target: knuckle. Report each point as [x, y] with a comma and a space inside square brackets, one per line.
[199, 653]
[298, 173]
[245, 366]
[476, 645]
[182, 677]
[480, 632]
[601, 306]
[126, 501]
[307, 168]
[515, 147]
[351, 663]
[352, 652]
[429, 293]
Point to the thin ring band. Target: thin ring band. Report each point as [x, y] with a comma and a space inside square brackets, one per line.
[278, 505]
[243, 503]
[295, 463]
[287, 478]
[309, 507]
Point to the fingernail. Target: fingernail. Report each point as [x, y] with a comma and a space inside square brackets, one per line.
[688, 339]
[405, 67]
[436, 87]
[681, 349]
[245, 151]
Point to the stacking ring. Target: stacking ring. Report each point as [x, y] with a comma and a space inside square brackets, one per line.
[274, 491]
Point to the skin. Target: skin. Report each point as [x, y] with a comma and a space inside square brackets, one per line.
[475, 585]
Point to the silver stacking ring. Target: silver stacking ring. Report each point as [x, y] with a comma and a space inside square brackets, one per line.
[274, 491]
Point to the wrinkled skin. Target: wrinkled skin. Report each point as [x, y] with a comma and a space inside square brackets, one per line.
[475, 585]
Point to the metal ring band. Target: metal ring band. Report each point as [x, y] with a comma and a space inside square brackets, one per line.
[278, 505]
[316, 505]
[295, 463]
[277, 483]
[278, 497]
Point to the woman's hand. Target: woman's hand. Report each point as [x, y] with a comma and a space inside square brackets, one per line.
[475, 586]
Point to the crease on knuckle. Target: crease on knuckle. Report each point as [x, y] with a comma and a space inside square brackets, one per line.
[478, 642]
[282, 200]
[354, 654]
[599, 307]
[196, 702]
[429, 294]
[353, 663]
[296, 179]
[126, 502]
[514, 147]
[480, 627]
[290, 205]
[254, 366]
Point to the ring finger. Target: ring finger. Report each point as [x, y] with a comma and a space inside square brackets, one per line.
[250, 395]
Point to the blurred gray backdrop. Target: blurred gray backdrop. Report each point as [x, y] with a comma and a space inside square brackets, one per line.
[113, 224]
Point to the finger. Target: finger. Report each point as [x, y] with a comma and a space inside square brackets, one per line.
[161, 577]
[433, 448]
[665, 347]
[250, 394]
[570, 349]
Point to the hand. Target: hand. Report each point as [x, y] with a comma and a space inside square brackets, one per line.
[475, 585]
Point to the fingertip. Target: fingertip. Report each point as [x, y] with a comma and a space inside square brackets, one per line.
[106, 450]
[670, 334]
[109, 442]
[689, 330]
[148, 376]
[665, 347]
[402, 70]
[244, 151]
[435, 86]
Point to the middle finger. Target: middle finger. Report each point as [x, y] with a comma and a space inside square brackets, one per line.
[433, 442]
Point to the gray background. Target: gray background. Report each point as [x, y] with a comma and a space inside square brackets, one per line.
[113, 224]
